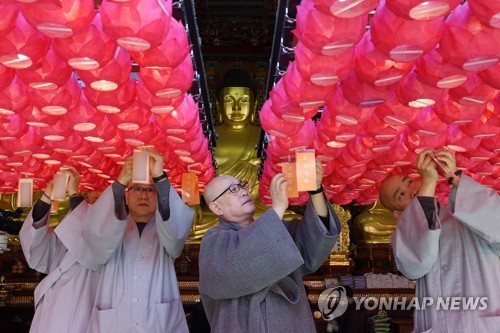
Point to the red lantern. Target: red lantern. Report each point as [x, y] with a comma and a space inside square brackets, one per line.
[427, 123]
[112, 101]
[274, 125]
[457, 114]
[473, 92]
[487, 11]
[363, 94]
[114, 148]
[492, 111]
[359, 149]
[327, 34]
[323, 70]
[36, 118]
[379, 130]
[304, 138]
[51, 73]
[13, 98]
[422, 10]
[375, 67]
[433, 70]
[180, 120]
[9, 11]
[136, 25]
[26, 144]
[155, 104]
[171, 51]
[490, 76]
[22, 46]
[414, 93]
[302, 91]
[84, 117]
[417, 142]
[458, 141]
[480, 128]
[335, 133]
[130, 119]
[169, 83]
[345, 112]
[87, 49]
[325, 152]
[146, 135]
[492, 143]
[401, 39]
[104, 131]
[112, 75]
[59, 21]
[345, 8]
[6, 76]
[60, 100]
[393, 113]
[469, 43]
[287, 109]
[59, 131]
[73, 142]
[479, 154]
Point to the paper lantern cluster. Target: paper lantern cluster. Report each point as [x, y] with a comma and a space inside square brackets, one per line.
[69, 94]
[424, 74]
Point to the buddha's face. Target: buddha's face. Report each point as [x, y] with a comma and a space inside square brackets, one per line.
[237, 104]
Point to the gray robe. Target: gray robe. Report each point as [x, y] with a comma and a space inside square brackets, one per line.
[251, 278]
[459, 258]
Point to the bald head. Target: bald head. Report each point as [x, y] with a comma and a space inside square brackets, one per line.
[397, 191]
[217, 185]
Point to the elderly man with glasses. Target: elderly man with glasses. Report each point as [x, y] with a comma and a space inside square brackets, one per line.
[251, 270]
[136, 231]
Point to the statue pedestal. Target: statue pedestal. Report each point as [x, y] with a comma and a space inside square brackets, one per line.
[374, 258]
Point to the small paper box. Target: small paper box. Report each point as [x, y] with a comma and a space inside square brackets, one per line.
[140, 167]
[59, 183]
[306, 170]
[290, 172]
[25, 192]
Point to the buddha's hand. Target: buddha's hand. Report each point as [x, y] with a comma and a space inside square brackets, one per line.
[279, 197]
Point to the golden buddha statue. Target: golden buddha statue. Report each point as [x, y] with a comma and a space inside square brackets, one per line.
[374, 225]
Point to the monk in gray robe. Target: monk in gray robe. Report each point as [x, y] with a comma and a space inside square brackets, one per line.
[251, 271]
[452, 251]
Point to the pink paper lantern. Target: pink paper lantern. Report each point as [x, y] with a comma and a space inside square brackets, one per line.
[51, 73]
[287, 109]
[324, 152]
[136, 25]
[26, 144]
[130, 119]
[157, 105]
[393, 113]
[427, 123]
[345, 112]
[104, 131]
[375, 67]
[454, 113]
[169, 53]
[402, 39]
[13, 98]
[468, 43]
[491, 76]
[492, 143]
[84, 117]
[9, 11]
[146, 135]
[274, 125]
[59, 131]
[22, 46]
[87, 49]
[480, 128]
[359, 149]
[323, 70]
[12, 129]
[473, 92]
[112, 101]
[362, 94]
[458, 141]
[492, 111]
[345, 8]
[326, 34]
[487, 11]
[422, 10]
[36, 118]
[414, 93]
[6, 76]
[112, 75]
[435, 71]
[180, 120]
[303, 91]
[57, 101]
[169, 83]
[380, 130]
[334, 132]
[479, 154]
[59, 21]
[304, 138]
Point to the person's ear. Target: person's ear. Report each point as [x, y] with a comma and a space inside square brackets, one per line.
[215, 208]
[396, 214]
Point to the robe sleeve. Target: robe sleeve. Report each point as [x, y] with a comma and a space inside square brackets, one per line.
[102, 230]
[41, 247]
[414, 245]
[174, 232]
[478, 208]
[312, 238]
[234, 263]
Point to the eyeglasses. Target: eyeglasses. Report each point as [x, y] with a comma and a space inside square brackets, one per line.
[139, 189]
[234, 188]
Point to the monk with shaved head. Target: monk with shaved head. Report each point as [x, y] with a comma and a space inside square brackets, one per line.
[451, 250]
[251, 269]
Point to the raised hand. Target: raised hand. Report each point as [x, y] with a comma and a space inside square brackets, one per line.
[156, 161]
[279, 197]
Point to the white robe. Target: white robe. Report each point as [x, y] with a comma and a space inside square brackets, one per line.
[64, 298]
[459, 258]
[138, 289]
